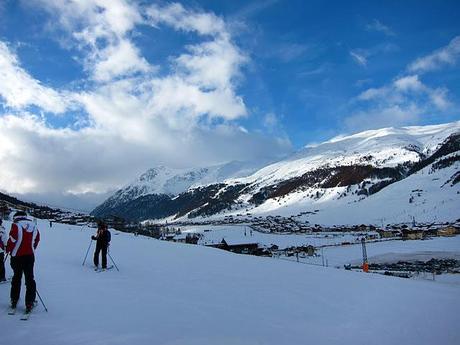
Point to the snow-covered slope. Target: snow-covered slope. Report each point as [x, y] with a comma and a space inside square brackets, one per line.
[387, 147]
[175, 294]
[336, 174]
[164, 180]
[426, 196]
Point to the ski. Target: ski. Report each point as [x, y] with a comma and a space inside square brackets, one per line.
[5, 281]
[26, 316]
[99, 270]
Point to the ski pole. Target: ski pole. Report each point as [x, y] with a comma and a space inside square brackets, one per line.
[44, 306]
[6, 257]
[89, 247]
[110, 256]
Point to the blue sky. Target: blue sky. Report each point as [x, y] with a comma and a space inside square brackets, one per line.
[201, 82]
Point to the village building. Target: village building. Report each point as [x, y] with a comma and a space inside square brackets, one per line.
[115, 222]
[408, 234]
[236, 246]
[310, 250]
[389, 233]
[168, 236]
[181, 238]
[448, 231]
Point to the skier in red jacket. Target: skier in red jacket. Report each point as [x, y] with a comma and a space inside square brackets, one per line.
[24, 238]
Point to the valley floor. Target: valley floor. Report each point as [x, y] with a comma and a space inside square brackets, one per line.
[333, 254]
[177, 294]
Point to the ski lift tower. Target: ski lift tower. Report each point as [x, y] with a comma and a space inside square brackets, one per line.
[365, 263]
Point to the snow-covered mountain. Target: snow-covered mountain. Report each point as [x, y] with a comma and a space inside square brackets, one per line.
[387, 147]
[167, 183]
[345, 173]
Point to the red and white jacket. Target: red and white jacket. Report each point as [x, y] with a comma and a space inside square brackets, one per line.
[24, 238]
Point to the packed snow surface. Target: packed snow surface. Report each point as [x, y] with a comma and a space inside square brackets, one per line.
[174, 294]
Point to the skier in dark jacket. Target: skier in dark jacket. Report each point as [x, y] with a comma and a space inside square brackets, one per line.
[102, 239]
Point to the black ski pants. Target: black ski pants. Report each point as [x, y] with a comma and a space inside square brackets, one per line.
[23, 265]
[2, 267]
[100, 247]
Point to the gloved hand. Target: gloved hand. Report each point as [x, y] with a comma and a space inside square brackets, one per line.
[94, 238]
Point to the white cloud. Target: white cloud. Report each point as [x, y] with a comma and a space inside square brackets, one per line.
[176, 100]
[439, 97]
[101, 29]
[39, 159]
[289, 51]
[447, 55]
[378, 26]
[406, 100]
[273, 124]
[19, 89]
[402, 102]
[135, 119]
[120, 59]
[362, 56]
[182, 19]
[404, 88]
[270, 121]
[390, 115]
[373, 93]
[362, 82]
[409, 83]
[206, 75]
[360, 59]
[252, 8]
[224, 57]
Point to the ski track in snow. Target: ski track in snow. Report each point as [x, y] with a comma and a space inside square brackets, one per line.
[176, 294]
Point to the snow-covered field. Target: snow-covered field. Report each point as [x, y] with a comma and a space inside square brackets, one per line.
[387, 251]
[233, 234]
[171, 294]
[390, 251]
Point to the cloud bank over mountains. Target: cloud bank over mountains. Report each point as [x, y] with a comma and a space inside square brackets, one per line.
[128, 116]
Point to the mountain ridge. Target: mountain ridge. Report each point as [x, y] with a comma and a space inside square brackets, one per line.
[354, 167]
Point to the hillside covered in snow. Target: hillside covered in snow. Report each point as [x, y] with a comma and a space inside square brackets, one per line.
[177, 294]
[161, 184]
[391, 175]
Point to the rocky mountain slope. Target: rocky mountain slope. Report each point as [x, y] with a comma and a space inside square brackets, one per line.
[345, 171]
[152, 192]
